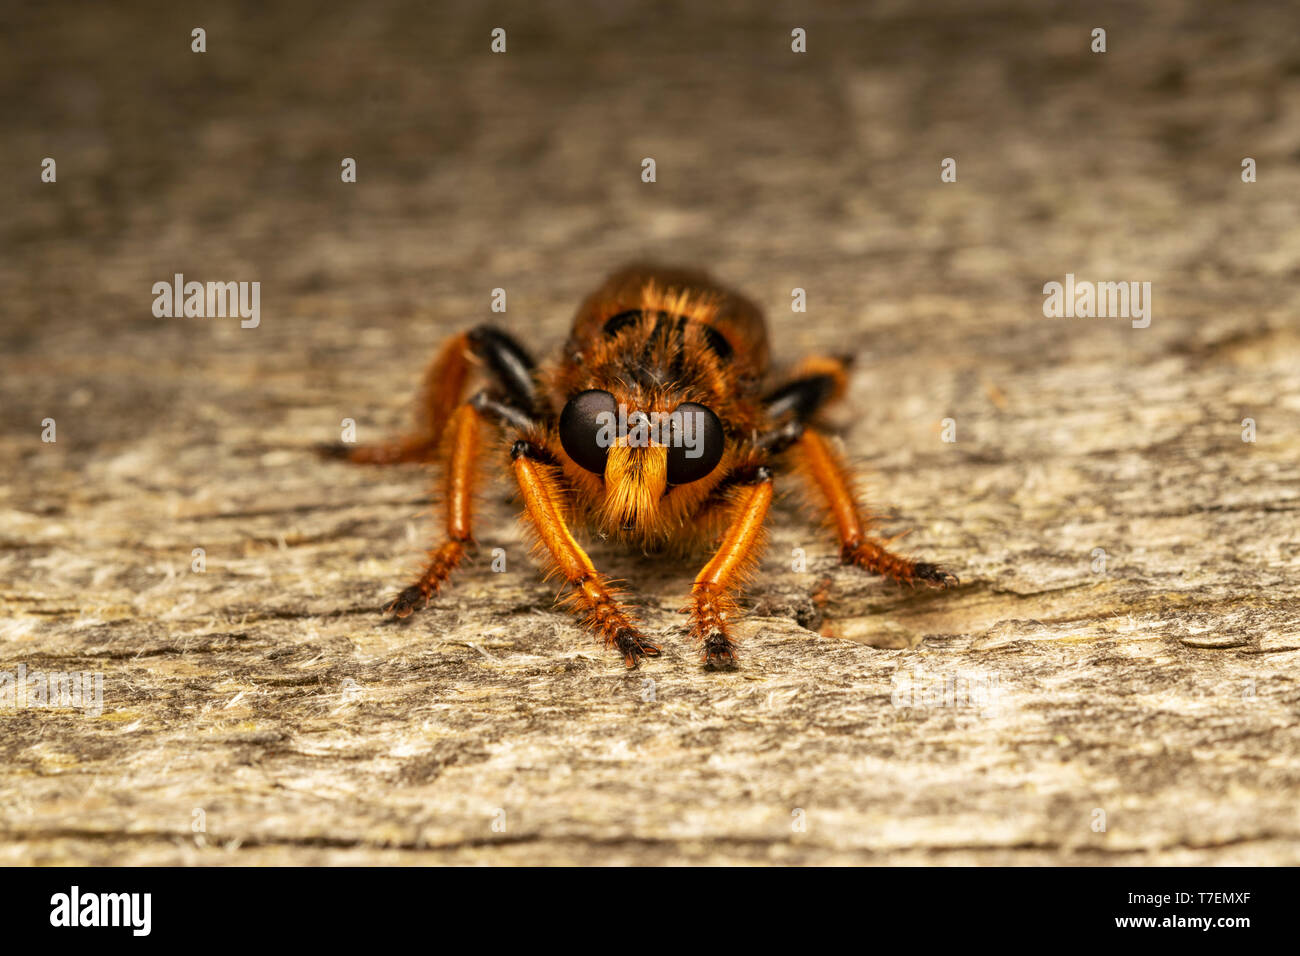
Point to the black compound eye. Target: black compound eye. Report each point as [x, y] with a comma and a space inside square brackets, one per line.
[588, 427]
[696, 443]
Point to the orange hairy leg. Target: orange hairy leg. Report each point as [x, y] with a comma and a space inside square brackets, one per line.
[441, 390]
[461, 476]
[824, 469]
[712, 604]
[591, 596]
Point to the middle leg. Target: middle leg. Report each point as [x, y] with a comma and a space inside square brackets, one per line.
[818, 382]
[827, 473]
[461, 478]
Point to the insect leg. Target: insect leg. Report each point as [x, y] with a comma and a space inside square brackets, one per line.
[817, 382]
[712, 605]
[503, 412]
[443, 389]
[461, 477]
[509, 363]
[591, 596]
[827, 473]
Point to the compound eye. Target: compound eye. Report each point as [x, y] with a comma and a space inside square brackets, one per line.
[585, 430]
[696, 443]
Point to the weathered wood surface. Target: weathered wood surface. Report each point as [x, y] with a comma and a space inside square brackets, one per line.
[269, 694]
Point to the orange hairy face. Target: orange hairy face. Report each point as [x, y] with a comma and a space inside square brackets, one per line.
[641, 462]
[636, 480]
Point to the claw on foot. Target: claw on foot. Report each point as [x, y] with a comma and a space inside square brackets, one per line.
[406, 602]
[633, 647]
[333, 450]
[718, 652]
[935, 576]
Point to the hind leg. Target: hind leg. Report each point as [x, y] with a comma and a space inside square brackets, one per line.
[442, 391]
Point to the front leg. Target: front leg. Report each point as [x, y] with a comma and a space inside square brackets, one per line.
[591, 597]
[712, 605]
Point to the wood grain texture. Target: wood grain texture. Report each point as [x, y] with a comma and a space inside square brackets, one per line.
[268, 693]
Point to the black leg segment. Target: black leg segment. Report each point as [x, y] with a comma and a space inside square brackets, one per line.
[509, 363]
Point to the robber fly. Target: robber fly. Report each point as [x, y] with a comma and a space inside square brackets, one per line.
[656, 426]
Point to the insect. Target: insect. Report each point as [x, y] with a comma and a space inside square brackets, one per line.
[656, 426]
